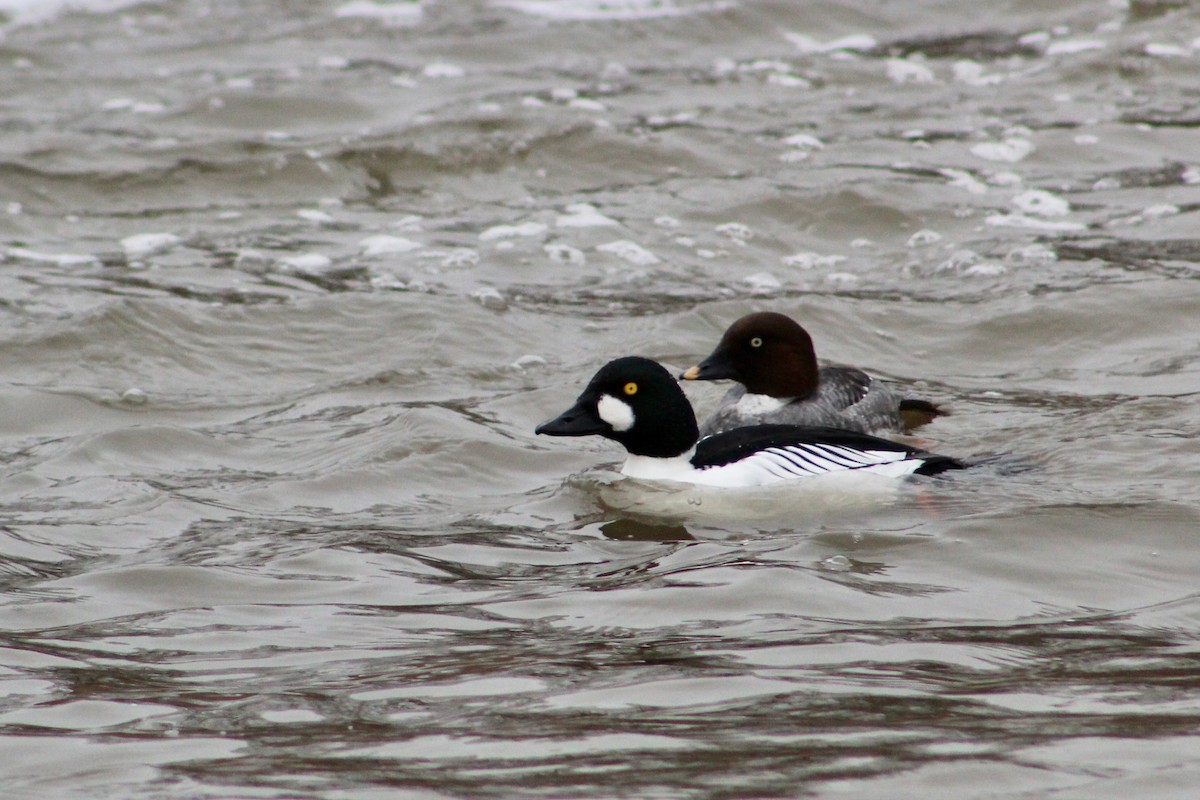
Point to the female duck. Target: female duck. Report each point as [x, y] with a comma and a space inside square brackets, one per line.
[634, 401]
[772, 357]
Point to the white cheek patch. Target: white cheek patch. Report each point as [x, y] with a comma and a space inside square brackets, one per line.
[616, 413]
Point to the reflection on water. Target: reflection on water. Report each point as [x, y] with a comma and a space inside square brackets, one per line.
[282, 303]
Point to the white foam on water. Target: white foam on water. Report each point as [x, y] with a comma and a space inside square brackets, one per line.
[811, 260]
[305, 263]
[583, 215]
[854, 42]
[565, 254]
[1042, 203]
[964, 180]
[1011, 150]
[1073, 46]
[58, 259]
[511, 231]
[1026, 221]
[631, 252]
[903, 70]
[923, 237]
[393, 13]
[600, 10]
[141, 245]
[382, 244]
[33, 12]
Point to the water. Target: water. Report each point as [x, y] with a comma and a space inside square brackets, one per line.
[286, 287]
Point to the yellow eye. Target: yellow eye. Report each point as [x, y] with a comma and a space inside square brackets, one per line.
[631, 388]
[756, 341]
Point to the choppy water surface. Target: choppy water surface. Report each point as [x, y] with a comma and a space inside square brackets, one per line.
[286, 287]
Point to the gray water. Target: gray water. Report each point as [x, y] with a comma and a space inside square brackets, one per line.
[274, 522]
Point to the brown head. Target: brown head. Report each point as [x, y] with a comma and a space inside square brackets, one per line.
[766, 352]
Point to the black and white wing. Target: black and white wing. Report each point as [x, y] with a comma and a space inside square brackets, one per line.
[765, 454]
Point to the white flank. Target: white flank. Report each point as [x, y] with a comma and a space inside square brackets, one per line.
[776, 465]
[752, 405]
[616, 413]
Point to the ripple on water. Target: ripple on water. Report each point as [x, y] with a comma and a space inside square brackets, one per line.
[283, 303]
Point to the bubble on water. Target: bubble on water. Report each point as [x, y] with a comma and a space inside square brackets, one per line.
[291, 715]
[529, 360]
[972, 74]
[141, 245]
[986, 270]
[1031, 254]
[964, 180]
[391, 13]
[460, 257]
[1070, 47]
[1005, 178]
[24, 254]
[905, 70]
[1164, 50]
[443, 70]
[490, 299]
[763, 282]
[316, 215]
[631, 252]
[382, 245]
[1026, 221]
[843, 279]
[511, 231]
[305, 263]
[587, 104]
[1042, 203]
[804, 141]
[1010, 150]
[255, 262]
[794, 156]
[565, 254]
[134, 396]
[1161, 210]
[958, 261]
[924, 237]
[583, 215]
[838, 563]
[388, 280]
[853, 42]
[811, 260]
[735, 231]
[788, 80]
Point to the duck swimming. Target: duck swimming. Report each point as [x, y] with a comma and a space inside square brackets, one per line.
[772, 357]
[637, 403]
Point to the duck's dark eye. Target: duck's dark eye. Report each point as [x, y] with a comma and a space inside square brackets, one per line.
[631, 388]
[756, 341]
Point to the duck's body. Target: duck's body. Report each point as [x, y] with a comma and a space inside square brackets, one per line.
[636, 402]
[773, 360]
